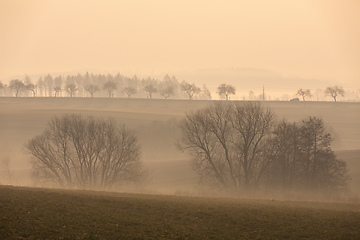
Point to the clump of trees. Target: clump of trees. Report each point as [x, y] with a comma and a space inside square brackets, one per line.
[305, 160]
[85, 152]
[192, 90]
[91, 85]
[241, 148]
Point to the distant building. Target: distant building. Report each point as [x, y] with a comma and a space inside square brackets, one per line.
[295, 100]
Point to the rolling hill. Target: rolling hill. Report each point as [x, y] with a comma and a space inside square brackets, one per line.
[155, 123]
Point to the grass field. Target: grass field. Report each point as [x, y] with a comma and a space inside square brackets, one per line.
[34, 213]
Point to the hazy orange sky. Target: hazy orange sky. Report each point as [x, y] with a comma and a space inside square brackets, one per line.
[303, 38]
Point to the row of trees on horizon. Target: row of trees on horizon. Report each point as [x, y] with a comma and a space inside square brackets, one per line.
[99, 85]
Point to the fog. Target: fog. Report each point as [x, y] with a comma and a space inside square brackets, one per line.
[155, 122]
[297, 40]
[272, 47]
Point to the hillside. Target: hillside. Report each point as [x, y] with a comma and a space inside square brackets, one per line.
[31, 213]
[155, 123]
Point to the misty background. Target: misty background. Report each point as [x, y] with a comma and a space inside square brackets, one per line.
[284, 45]
[277, 46]
[156, 124]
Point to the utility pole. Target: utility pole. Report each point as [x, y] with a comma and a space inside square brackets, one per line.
[263, 93]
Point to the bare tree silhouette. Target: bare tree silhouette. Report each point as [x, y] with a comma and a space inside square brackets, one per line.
[304, 93]
[226, 90]
[334, 92]
[85, 152]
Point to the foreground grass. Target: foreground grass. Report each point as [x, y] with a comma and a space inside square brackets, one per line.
[29, 213]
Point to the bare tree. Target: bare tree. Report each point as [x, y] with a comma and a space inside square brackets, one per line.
[226, 90]
[239, 147]
[334, 92]
[150, 89]
[48, 84]
[252, 125]
[200, 138]
[205, 93]
[71, 89]
[32, 88]
[2, 86]
[29, 85]
[6, 162]
[130, 91]
[85, 152]
[110, 87]
[58, 81]
[17, 85]
[57, 90]
[168, 87]
[317, 157]
[283, 172]
[304, 93]
[58, 85]
[166, 92]
[92, 89]
[228, 143]
[189, 89]
[41, 87]
[251, 95]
